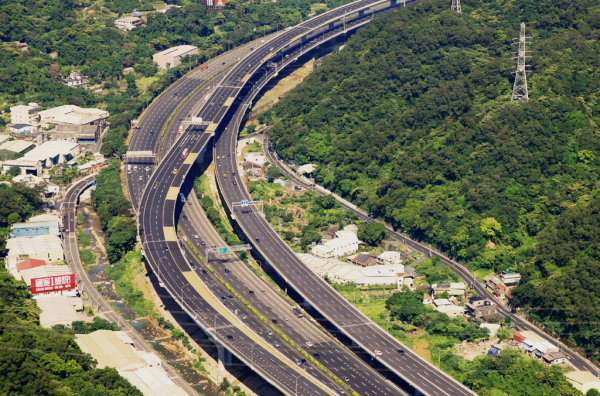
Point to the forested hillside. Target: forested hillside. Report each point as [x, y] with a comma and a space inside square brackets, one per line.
[80, 35]
[413, 121]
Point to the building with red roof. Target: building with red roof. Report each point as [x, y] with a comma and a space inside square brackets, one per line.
[30, 263]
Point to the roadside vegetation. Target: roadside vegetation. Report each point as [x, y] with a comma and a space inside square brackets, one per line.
[18, 203]
[46, 361]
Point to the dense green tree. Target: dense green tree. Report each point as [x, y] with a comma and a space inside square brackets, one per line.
[371, 233]
[406, 306]
[273, 173]
[14, 171]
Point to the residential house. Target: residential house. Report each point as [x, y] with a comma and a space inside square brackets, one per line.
[390, 257]
[427, 299]
[75, 79]
[554, 357]
[454, 289]
[445, 306]
[480, 307]
[406, 279]
[510, 278]
[494, 284]
[128, 22]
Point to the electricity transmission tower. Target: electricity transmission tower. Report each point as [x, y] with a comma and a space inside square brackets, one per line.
[456, 6]
[520, 92]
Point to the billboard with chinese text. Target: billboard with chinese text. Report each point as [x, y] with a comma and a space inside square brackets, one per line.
[52, 283]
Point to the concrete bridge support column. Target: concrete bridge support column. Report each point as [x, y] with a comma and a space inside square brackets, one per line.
[225, 357]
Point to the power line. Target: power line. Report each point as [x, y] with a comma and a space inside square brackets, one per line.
[456, 6]
[520, 91]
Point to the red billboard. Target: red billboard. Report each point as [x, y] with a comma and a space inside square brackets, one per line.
[52, 283]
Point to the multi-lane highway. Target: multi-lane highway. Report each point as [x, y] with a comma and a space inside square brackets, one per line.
[147, 133]
[159, 202]
[84, 284]
[312, 338]
[329, 351]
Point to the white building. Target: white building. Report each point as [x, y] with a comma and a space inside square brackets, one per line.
[44, 224]
[456, 289]
[583, 380]
[42, 247]
[390, 257]
[16, 146]
[46, 155]
[171, 57]
[21, 129]
[25, 114]
[128, 22]
[341, 272]
[74, 115]
[345, 243]
[445, 306]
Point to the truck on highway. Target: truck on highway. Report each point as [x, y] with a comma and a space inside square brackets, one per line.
[298, 312]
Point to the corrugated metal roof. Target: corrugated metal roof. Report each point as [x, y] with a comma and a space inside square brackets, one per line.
[109, 350]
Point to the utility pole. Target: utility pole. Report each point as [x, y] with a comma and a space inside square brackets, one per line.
[520, 92]
[456, 6]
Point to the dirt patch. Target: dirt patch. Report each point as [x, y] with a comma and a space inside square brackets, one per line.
[470, 350]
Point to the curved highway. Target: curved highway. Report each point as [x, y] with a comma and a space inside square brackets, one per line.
[332, 354]
[159, 203]
[315, 340]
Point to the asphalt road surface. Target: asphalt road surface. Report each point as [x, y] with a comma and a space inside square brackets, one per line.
[158, 229]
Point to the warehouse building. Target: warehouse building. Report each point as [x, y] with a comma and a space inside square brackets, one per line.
[25, 114]
[45, 156]
[74, 123]
[38, 225]
[17, 147]
[42, 247]
[172, 57]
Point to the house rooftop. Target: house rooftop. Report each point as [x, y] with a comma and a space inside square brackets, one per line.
[30, 263]
[19, 126]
